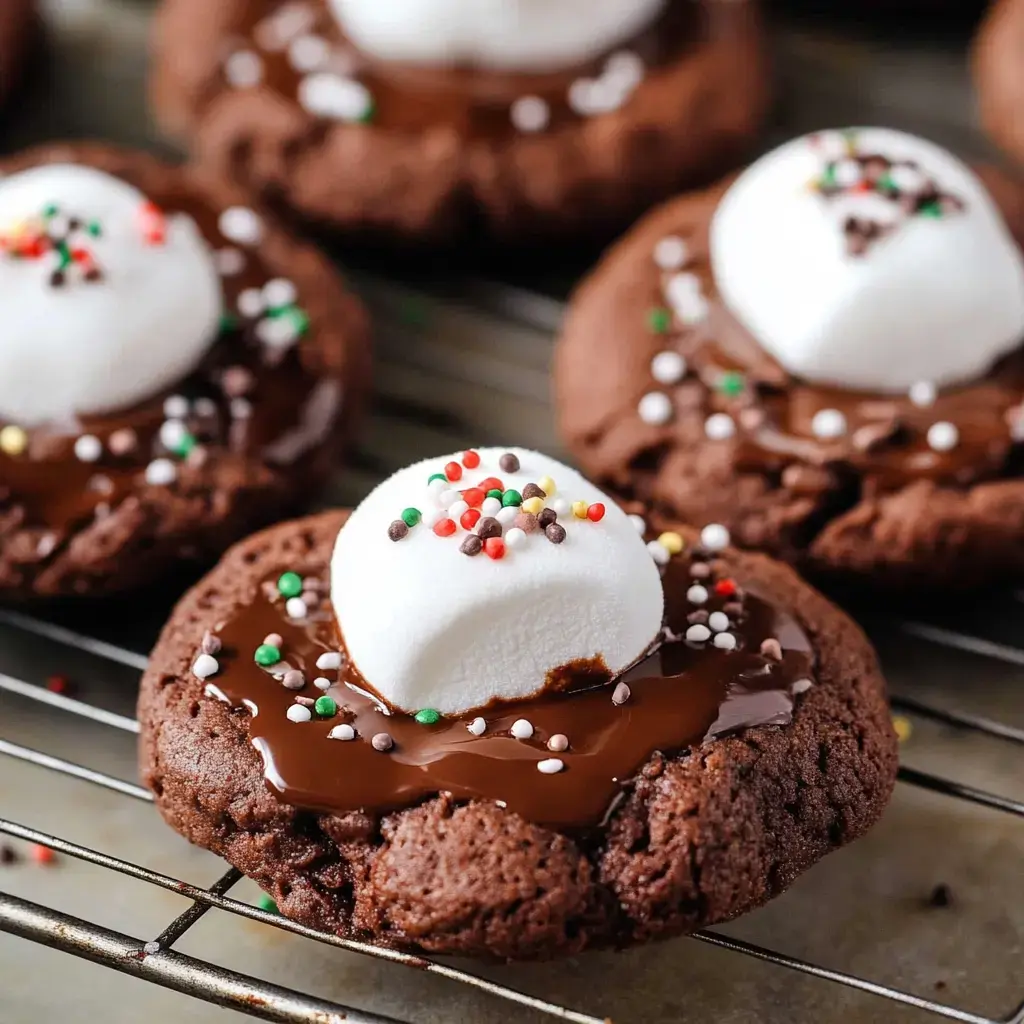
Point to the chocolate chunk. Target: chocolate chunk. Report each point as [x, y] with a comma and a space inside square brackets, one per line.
[527, 522]
[509, 463]
[472, 545]
[533, 491]
[546, 518]
[488, 527]
[398, 529]
[555, 533]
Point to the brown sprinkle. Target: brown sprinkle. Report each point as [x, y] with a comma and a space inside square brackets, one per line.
[472, 545]
[533, 491]
[699, 617]
[772, 649]
[509, 463]
[700, 570]
[527, 522]
[733, 609]
[620, 694]
[293, 679]
[382, 741]
[558, 742]
[306, 702]
[488, 527]
[274, 640]
[555, 533]
[398, 529]
[546, 517]
[122, 442]
[211, 644]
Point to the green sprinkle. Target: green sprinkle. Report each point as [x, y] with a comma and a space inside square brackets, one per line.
[94, 228]
[228, 321]
[51, 210]
[436, 476]
[267, 654]
[511, 498]
[659, 320]
[298, 318]
[828, 177]
[368, 114]
[933, 210]
[267, 904]
[495, 493]
[325, 706]
[411, 516]
[185, 446]
[65, 255]
[289, 584]
[428, 716]
[731, 384]
[886, 184]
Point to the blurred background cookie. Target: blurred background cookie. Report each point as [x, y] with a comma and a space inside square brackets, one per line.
[18, 22]
[999, 75]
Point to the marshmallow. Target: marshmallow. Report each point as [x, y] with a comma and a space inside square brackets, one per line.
[93, 346]
[428, 626]
[506, 35]
[930, 298]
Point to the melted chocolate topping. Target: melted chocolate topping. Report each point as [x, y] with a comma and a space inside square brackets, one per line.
[681, 695]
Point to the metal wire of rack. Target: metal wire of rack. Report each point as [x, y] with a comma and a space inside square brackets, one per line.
[157, 961]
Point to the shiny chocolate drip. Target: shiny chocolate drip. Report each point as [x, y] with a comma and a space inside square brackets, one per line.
[680, 695]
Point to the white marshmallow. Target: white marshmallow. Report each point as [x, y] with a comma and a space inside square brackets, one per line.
[507, 35]
[936, 299]
[428, 626]
[93, 347]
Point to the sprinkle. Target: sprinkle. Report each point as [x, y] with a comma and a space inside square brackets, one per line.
[714, 537]
[428, 716]
[546, 518]
[492, 483]
[445, 527]
[295, 608]
[725, 588]
[555, 533]
[240, 224]
[161, 473]
[477, 727]
[639, 524]
[279, 293]
[397, 530]
[474, 496]
[511, 498]
[490, 506]
[453, 471]
[659, 320]
[326, 707]
[298, 713]
[230, 262]
[322, 683]
[328, 660]
[342, 732]
[43, 854]
[88, 448]
[595, 512]
[621, 694]
[494, 547]
[725, 641]
[308, 53]
[471, 459]
[496, 493]
[771, 649]
[558, 742]
[507, 516]
[684, 294]
[13, 440]
[534, 506]
[547, 485]
[204, 666]
[561, 506]
[530, 114]
[900, 725]
[550, 766]
[289, 584]
[672, 542]
[382, 741]
[531, 490]
[719, 426]
[243, 69]
[521, 729]
[658, 552]
[325, 94]
[655, 408]
[828, 424]
[697, 634]
[718, 622]
[509, 463]
[697, 594]
[922, 394]
[210, 644]
[671, 253]
[265, 903]
[293, 679]
[274, 639]
[267, 655]
[176, 407]
[943, 436]
[469, 518]
[801, 686]
[437, 476]
[488, 527]
[579, 509]
[515, 538]
[668, 367]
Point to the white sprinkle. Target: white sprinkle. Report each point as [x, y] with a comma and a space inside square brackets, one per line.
[668, 367]
[477, 727]
[342, 732]
[433, 516]
[828, 424]
[279, 292]
[659, 552]
[718, 622]
[530, 114]
[561, 507]
[241, 408]
[923, 393]
[295, 608]
[205, 666]
[328, 95]
[655, 408]
[801, 686]
[328, 660]
[697, 594]
[298, 713]
[230, 262]
[172, 434]
[307, 53]
[448, 497]
[507, 515]
[322, 683]
[205, 407]
[515, 537]
[277, 331]
[58, 226]
[437, 487]
[714, 537]
[684, 295]
[558, 743]
[847, 173]
[161, 473]
[88, 448]
[240, 224]
[943, 436]
[719, 426]
[250, 303]
[210, 690]
[725, 641]
[639, 524]
[458, 509]
[590, 96]
[671, 253]
[906, 179]
[550, 766]
[521, 729]
[243, 69]
[626, 68]
[697, 633]
[490, 506]
[176, 407]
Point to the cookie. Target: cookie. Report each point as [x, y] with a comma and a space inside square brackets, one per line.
[175, 370]
[824, 355]
[998, 63]
[441, 118]
[598, 732]
[17, 24]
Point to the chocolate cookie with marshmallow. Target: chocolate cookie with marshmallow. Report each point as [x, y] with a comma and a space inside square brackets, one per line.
[998, 62]
[174, 370]
[428, 119]
[490, 713]
[824, 354]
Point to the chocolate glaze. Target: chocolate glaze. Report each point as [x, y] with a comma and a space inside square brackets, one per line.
[471, 102]
[681, 695]
[47, 486]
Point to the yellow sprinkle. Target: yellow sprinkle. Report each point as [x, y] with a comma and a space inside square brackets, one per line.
[579, 509]
[13, 440]
[671, 542]
[534, 505]
[547, 485]
[903, 728]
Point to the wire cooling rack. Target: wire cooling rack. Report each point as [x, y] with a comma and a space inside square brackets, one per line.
[156, 959]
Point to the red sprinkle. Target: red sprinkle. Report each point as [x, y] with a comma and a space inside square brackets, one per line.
[471, 459]
[43, 854]
[474, 496]
[444, 527]
[494, 547]
[492, 483]
[725, 588]
[81, 255]
[595, 513]
[469, 518]
[453, 471]
[58, 684]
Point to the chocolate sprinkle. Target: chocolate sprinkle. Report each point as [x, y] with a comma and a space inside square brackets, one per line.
[547, 517]
[472, 545]
[527, 522]
[211, 644]
[382, 741]
[533, 491]
[771, 648]
[555, 533]
[306, 702]
[488, 527]
[398, 529]
[509, 463]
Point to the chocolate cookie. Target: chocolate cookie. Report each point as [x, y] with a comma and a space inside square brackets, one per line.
[560, 118]
[824, 356]
[17, 22]
[175, 370]
[998, 61]
[747, 739]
